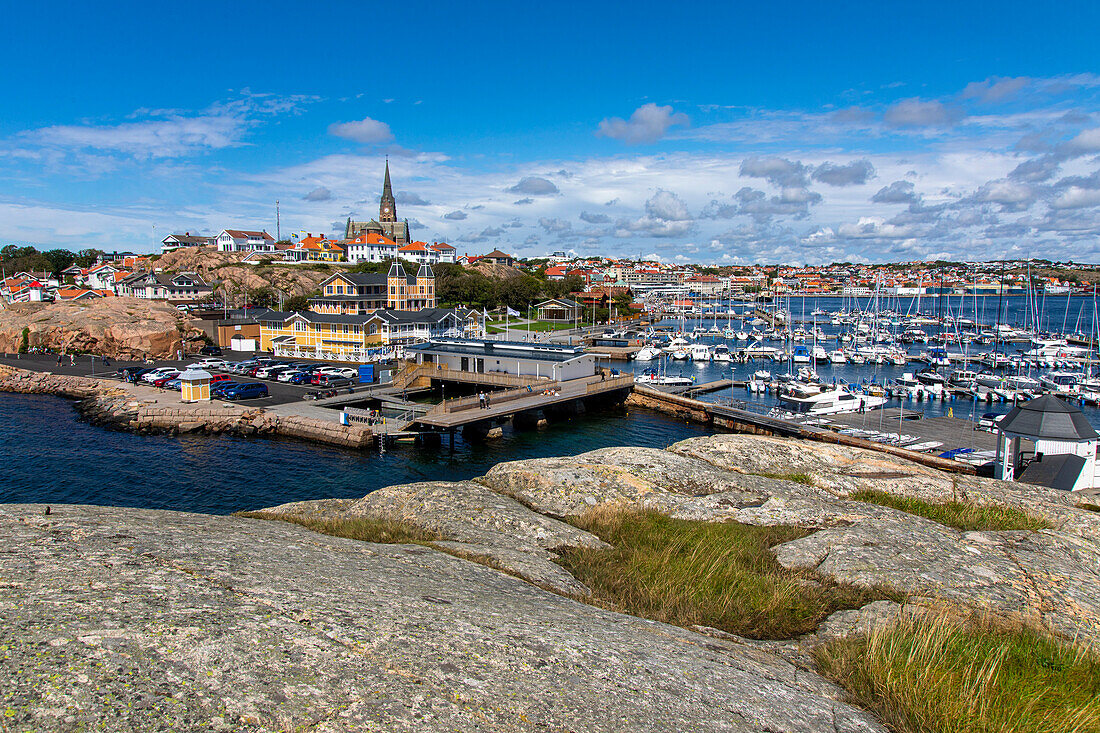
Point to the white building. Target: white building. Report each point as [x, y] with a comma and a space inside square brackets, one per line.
[371, 247]
[1047, 442]
[178, 241]
[241, 240]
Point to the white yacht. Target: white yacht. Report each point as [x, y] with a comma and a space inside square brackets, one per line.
[837, 356]
[1061, 383]
[699, 352]
[721, 353]
[648, 353]
[819, 399]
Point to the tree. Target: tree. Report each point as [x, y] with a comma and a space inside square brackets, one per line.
[296, 303]
[262, 297]
[87, 257]
[59, 259]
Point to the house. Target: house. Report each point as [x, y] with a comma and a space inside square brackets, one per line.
[318, 248]
[496, 257]
[370, 247]
[359, 293]
[243, 240]
[101, 277]
[163, 286]
[552, 361]
[81, 294]
[444, 252]
[177, 241]
[559, 310]
[558, 272]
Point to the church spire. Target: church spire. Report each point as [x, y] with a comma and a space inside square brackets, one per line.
[387, 208]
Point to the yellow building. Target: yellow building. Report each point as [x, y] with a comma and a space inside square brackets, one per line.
[361, 293]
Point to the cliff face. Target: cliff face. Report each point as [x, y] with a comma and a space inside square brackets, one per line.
[226, 267]
[129, 328]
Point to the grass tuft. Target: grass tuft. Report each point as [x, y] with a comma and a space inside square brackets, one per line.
[798, 478]
[1089, 507]
[960, 515]
[366, 529]
[930, 675]
[720, 575]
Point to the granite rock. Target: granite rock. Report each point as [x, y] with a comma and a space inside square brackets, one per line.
[127, 619]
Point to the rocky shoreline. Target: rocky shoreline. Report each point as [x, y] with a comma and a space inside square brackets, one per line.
[110, 404]
[150, 620]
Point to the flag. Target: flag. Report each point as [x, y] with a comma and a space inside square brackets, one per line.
[511, 312]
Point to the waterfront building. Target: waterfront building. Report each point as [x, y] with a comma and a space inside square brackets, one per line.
[387, 224]
[519, 358]
[559, 310]
[1047, 442]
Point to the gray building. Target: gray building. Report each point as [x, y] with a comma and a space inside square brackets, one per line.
[556, 362]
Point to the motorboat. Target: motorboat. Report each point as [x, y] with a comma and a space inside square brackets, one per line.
[837, 356]
[1059, 382]
[648, 353]
[819, 399]
[721, 353]
[800, 355]
[699, 352]
[963, 378]
[819, 353]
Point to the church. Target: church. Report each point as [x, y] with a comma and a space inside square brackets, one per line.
[387, 224]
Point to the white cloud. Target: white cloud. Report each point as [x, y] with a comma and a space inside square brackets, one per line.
[367, 131]
[1077, 198]
[318, 194]
[648, 124]
[914, 112]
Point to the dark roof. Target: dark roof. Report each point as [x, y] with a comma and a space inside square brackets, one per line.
[425, 271]
[1059, 471]
[424, 315]
[190, 239]
[1048, 418]
[312, 317]
[496, 254]
[527, 351]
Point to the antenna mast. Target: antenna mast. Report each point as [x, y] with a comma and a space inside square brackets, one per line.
[278, 223]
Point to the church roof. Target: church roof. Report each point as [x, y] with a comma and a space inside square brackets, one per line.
[1048, 418]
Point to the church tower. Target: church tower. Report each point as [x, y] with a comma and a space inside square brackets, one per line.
[387, 208]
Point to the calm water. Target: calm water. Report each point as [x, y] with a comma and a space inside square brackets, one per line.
[49, 456]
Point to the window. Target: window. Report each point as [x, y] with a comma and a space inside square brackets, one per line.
[299, 326]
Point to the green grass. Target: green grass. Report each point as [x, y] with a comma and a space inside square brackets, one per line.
[798, 478]
[366, 529]
[722, 575]
[539, 326]
[960, 515]
[943, 676]
[1089, 507]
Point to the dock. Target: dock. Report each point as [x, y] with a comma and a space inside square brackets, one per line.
[690, 390]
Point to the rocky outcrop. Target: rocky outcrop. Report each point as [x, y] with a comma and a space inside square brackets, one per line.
[122, 328]
[226, 267]
[127, 620]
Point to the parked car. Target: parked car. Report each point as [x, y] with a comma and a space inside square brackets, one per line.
[211, 362]
[346, 372]
[301, 378]
[247, 390]
[155, 374]
[217, 390]
[176, 383]
[211, 350]
[330, 380]
[218, 378]
[271, 372]
[162, 381]
[287, 374]
[127, 372]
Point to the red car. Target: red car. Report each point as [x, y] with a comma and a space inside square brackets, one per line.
[165, 380]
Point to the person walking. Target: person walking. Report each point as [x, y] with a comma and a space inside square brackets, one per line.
[72, 359]
[481, 400]
[60, 356]
[487, 403]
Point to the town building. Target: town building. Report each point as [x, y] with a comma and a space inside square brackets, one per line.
[370, 247]
[243, 240]
[496, 257]
[178, 241]
[559, 310]
[387, 224]
[506, 357]
[164, 286]
[358, 293]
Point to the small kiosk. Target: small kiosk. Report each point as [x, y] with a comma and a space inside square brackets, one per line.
[1047, 442]
[195, 385]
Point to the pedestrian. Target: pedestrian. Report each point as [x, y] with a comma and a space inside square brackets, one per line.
[60, 355]
[481, 400]
[106, 362]
[72, 359]
[487, 400]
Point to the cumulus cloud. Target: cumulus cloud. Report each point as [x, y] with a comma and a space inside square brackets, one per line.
[996, 88]
[648, 124]
[534, 186]
[411, 199]
[366, 131]
[777, 171]
[595, 218]
[1011, 195]
[666, 216]
[1075, 197]
[855, 173]
[914, 112]
[1035, 170]
[1087, 141]
[523, 202]
[318, 194]
[555, 225]
[455, 216]
[898, 192]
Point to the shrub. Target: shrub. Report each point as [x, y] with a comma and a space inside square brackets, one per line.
[24, 341]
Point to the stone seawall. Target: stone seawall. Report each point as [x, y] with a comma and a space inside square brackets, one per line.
[105, 402]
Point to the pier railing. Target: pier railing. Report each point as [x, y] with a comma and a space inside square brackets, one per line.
[412, 372]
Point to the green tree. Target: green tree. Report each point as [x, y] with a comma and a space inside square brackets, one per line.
[87, 257]
[296, 303]
[59, 260]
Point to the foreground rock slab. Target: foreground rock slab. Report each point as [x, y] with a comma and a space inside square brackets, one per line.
[143, 620]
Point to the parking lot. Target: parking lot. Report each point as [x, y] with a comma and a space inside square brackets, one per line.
[279, 393]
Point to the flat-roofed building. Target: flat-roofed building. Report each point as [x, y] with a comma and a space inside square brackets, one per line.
[519, 358]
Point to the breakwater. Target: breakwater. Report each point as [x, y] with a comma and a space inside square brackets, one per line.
[125, 407]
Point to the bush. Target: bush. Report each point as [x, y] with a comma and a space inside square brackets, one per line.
[24, 342]
[722, 575]
[924, 675]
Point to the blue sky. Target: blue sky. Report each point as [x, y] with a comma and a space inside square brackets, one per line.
[715, 133]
